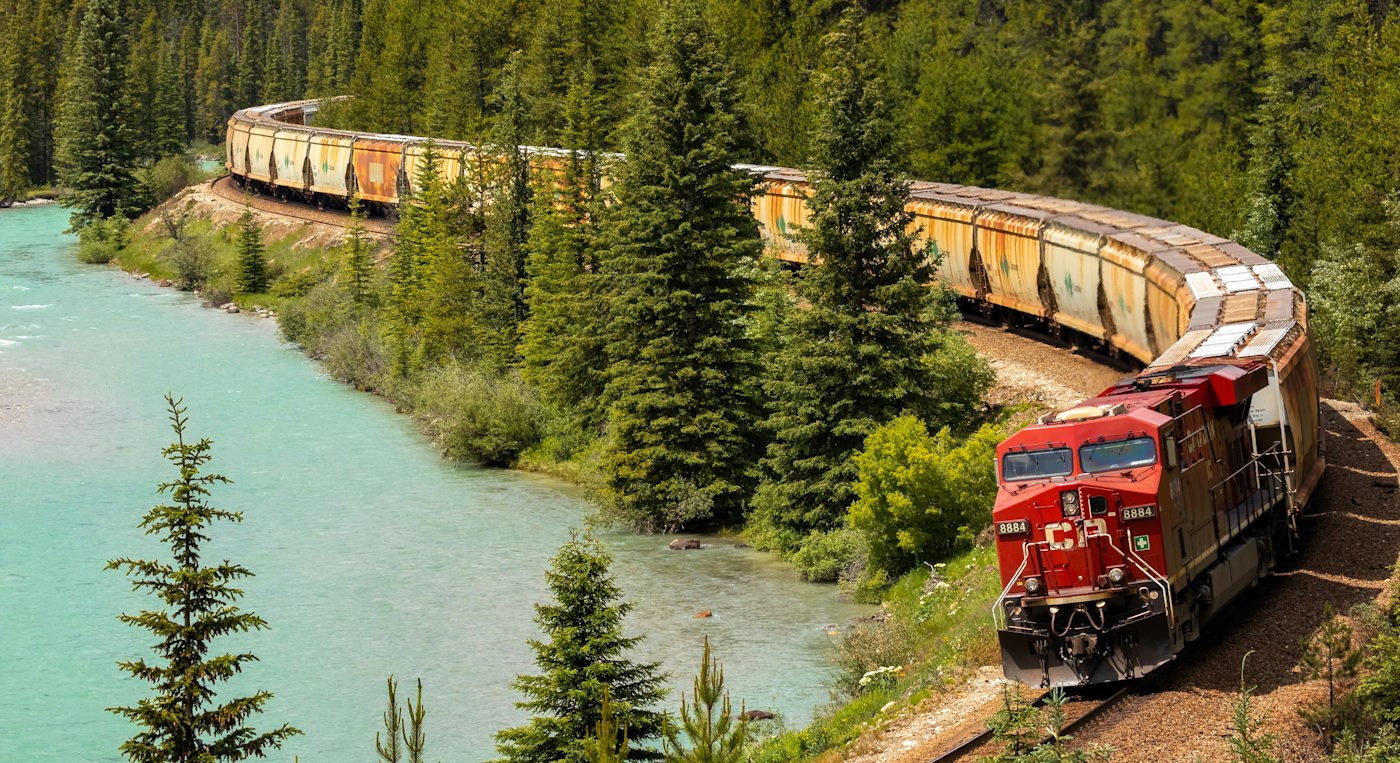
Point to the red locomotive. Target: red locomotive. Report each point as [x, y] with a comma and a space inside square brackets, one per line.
[1128, 522]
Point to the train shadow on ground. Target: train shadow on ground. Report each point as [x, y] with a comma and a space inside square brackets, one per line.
[1351, 534]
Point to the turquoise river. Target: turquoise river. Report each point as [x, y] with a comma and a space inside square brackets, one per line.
[372, 555]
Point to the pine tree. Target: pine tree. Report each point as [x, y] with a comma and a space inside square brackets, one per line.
[508, 224]
[214, 82]
[357, 265]
[683, 418]
[1330, 654]
[181, 722]
[388, 746]
[583, 658]
[609, 742]
[15, 106]
[252, 55]
[1247, 741]
[714, 734]
[857, 356]
[562, 347]
[252, 264]
[447, 286]
[99, 148]
[168, 135]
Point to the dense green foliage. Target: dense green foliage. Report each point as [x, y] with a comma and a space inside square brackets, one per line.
[582, 658]
[96, 129]
[1265, 120]
[183, 721]
[922, 497]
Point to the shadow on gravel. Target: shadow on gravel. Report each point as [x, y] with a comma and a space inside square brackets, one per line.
[1351, 535]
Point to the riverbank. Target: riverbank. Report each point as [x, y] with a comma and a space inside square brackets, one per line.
[372, 554]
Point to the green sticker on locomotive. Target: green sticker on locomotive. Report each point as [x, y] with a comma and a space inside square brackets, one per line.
[1142, 542]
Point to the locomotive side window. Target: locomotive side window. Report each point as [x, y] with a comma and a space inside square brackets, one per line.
[1117, 456]
[1036, 464]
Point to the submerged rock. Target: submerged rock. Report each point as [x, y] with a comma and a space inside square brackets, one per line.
[755, 715]
[703, 614]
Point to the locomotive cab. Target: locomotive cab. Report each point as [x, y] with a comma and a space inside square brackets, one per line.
[1127, 521]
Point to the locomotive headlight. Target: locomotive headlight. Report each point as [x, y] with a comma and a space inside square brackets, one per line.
[1032, 585]
[1117, 575]
[1069, 503]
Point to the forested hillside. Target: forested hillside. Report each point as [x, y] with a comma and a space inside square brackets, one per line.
[1264, 120]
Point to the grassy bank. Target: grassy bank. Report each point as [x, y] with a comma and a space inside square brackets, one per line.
[932, 629]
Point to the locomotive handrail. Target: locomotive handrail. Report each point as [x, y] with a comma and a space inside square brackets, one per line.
[1154, 577]
[999, 622]
[1275, 488]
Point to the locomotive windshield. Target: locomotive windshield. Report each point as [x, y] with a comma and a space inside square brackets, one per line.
[1117, 456]
[1036, 464]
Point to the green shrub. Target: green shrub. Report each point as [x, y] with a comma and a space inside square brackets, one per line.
[825, 557]
[478, 416]
[99, 243]
[308, 321]
[354, 354]
[888, 643]
[922, 498]
[169, 176]
[193, 262]
[297, 284]
[1356, 311]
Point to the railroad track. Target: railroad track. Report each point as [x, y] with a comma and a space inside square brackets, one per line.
[1078, 711]
[226, 189]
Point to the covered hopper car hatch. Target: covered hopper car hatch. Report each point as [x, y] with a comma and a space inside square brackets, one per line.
[1126, 523]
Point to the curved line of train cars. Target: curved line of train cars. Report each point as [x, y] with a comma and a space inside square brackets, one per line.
[1124, 524]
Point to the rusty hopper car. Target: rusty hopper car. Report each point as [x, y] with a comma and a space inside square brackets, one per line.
[1123, 524]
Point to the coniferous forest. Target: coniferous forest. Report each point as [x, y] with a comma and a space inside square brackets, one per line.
[613, 319]
[1262, 121]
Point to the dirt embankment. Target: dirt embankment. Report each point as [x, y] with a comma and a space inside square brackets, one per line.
[1352, 535]
[222, 202]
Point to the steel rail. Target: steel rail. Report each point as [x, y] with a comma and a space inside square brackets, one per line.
[1097, 708]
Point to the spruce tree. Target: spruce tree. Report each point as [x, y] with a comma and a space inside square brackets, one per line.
[711, 731]
[583, 659]
[168, 133]
[15, 106]
[440, 296]
[99, 146]
[357, 265]
[508, 223]
[562, 346]
[183, 722]
[683, 416]
[251, 69]
[857, 356]
[252, 264]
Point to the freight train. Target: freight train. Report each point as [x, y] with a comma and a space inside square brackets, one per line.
[1123, 524]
